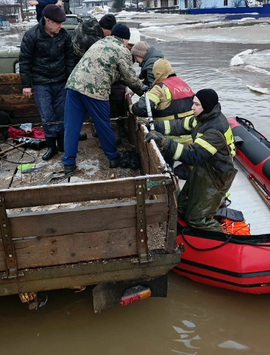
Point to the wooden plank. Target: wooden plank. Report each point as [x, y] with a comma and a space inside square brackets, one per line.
[14, 100]
[10, 79]
[79, 247]
[28, 111]
[85, 219]
[91, 273]
[153, 163]
[66, 193]
[10, 89]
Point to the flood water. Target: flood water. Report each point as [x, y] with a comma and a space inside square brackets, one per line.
[193, 319]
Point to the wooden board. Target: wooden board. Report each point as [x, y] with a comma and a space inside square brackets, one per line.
[20, 108]
[90, 233]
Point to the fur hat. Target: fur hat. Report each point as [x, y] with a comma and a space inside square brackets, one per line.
[54, 13]
[140, 49]
[107, 21]
[121, 31]
[208, 99]
[135, 36]
[161, 70]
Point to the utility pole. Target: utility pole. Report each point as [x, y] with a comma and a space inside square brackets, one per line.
[21, 8]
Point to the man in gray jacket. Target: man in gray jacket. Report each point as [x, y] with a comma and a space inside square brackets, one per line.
[89, 87]
[146, 56]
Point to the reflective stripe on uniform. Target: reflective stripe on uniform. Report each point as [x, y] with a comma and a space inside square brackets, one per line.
[168, 93]
[194, 123]
[178, 151]
[186, 123]
[154, 98]
[230, 142]
[206, 145]
[182, 139]
[172, 117]
[167, 128]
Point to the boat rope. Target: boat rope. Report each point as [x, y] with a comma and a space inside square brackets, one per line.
[230, 238]
[251, 125]
[205, 249]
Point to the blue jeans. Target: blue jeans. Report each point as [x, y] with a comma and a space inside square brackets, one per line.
[76, 106]
[50, 101]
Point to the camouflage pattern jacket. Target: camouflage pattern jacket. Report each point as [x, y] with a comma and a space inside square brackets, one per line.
[85, 35]
[106, 62]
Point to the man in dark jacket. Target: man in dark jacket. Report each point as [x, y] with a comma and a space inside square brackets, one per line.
[210, 156]
[146, 57]
[46, 60]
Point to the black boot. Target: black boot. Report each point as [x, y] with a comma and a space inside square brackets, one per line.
[60, 142]
[52, 150]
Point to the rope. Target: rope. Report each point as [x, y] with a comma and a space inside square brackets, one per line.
[250, 124]
[3, 157]
[205, 249]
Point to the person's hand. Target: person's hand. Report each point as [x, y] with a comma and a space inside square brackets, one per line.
[143, 120]
[33, 3]
[130, 93]
[128, 98]
[27, 92]
[158, 138]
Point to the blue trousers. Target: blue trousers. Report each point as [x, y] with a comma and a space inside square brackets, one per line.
[50, 101]
[75, 109]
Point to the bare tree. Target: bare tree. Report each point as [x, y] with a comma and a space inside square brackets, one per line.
[8, 9]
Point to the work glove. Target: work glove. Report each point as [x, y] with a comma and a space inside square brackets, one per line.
[158, 138]
[145, 88]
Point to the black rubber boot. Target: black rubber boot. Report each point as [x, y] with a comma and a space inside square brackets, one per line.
[52, 150]
[60, 142]
[114, 163]
[69, 169]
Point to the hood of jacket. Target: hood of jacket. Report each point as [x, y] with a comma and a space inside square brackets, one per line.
[152, 53]
[161, 70]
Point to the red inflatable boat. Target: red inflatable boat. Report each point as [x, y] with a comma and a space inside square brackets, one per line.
[253, 152]
[236, 262]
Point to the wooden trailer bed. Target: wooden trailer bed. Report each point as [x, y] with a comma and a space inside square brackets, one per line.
[100, 227]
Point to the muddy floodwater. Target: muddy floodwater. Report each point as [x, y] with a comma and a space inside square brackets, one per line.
[193, 319]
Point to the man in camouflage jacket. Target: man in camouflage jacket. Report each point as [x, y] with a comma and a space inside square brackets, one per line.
[88, 89]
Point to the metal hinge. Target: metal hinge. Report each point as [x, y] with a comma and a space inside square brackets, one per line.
[8, 245]
[153, 183]
[141, 232]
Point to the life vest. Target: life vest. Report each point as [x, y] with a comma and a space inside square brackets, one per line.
[181, 97]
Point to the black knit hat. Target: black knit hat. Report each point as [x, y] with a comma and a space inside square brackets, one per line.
[107, 21]
[54, 13]
[121, 31]
[208, 99]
